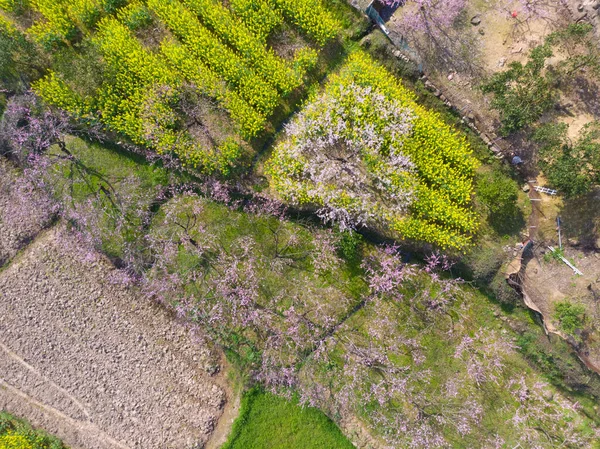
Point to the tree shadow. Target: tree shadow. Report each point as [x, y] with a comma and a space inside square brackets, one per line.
[586, 92]
[387, 11]
[509, 221]
[580, 218]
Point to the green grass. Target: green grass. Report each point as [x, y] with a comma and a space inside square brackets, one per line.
[270, 422]
[18, 434]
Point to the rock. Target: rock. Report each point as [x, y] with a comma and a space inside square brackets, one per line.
[580, 7]
[437, 93]
[450, 77]
[397, 53]
[471, 116]
[476, 20]
[501, 62]
[526, 188]
[481, 31]
[596, 4]
[517, 50]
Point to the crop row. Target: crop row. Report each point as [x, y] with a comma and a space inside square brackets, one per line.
[233, 31]
[441, 155]
[62, 18]
[137, 100]
[258, 16]
[58, 26]
[310, 16]
[413, 172]
[220, 58]
[206, 81]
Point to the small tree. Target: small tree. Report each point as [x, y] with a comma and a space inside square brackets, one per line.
[570, 317]
[522, 93]
[571, 168]
[499, 194]
[438, 32]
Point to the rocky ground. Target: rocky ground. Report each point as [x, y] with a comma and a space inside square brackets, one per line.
[92, 361]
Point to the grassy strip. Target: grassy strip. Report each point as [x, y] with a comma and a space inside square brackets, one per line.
[18, 434]
[268, 421]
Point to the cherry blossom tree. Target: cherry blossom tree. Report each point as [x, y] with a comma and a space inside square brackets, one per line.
[440, 33]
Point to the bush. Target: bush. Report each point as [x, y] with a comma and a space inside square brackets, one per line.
[499, 194]
[572, 168]
[17, 434]
[522, 93]
[349, 245]
[503, 292]
[484, 262]
[570, 317]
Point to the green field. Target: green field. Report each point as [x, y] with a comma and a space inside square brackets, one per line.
[270, 422]
[17, 434]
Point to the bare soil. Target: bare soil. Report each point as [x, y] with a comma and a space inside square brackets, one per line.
[96, 363]
[546, 281]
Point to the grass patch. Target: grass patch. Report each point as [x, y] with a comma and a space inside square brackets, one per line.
[271, 422]
[18, 434]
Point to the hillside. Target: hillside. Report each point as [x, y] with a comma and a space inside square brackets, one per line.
[272, 223]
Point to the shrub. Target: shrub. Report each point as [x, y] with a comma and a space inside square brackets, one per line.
[484, 262]
[571, 318]
[504, 292]
[499, 194]
[572, 168]
[522, 93]
[349, 245]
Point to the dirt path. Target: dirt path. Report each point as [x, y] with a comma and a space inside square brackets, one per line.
[97, 364]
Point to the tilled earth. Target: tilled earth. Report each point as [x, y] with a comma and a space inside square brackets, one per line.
[95, 363]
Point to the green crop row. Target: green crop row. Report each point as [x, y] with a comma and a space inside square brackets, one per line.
[258, 16]
[224, 61]
[8, 5]
[435, 181]
[310, 16]
[233, 31]
[62, 18]
[206, 81]
[57, 26]
[137, 100]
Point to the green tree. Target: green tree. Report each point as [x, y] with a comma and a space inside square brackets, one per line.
[499, 194]
[20, 60]
[523, 93]
[572, 168]
[579, 44]
[570, 317]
